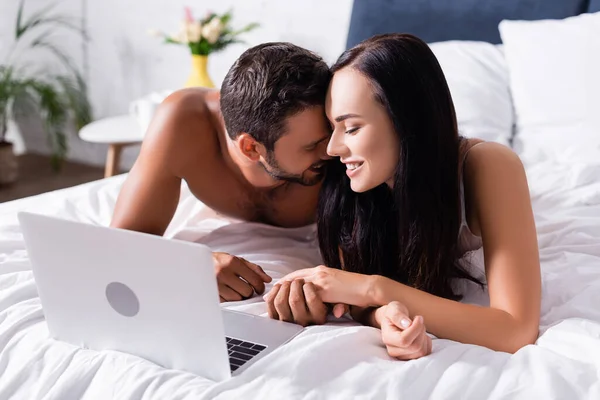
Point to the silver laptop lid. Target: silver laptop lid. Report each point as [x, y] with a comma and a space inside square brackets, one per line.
[106, 288]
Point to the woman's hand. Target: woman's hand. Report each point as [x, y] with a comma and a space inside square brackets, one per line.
[403, 338]
[334, 285]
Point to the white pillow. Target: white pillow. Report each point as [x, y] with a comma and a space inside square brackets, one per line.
[477, 75]
[554, 68]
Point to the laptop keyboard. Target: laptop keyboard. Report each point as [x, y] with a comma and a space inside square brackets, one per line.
[240, 352]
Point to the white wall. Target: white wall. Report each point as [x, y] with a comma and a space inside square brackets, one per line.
[126, 63]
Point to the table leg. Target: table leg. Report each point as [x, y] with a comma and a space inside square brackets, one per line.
[113, 159]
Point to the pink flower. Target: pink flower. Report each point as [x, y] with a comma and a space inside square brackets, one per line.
[188, 15]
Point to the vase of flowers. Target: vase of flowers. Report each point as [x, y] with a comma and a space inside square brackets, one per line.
[199, 75]
[204, 37]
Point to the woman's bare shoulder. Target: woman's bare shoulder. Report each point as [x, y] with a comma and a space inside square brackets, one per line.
[491, 170]
[481, 154]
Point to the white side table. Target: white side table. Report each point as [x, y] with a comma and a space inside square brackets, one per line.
[118, 132]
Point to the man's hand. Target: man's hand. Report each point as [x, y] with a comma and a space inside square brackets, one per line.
[237, 278]
[297, 301]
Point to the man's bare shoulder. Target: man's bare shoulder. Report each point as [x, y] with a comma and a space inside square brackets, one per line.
[191, 99]
[183, 110]
[184, 127]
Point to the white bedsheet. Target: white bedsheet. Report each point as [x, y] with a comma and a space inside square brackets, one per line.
[338, 360]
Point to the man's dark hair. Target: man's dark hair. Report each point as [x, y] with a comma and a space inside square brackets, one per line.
[268, 84]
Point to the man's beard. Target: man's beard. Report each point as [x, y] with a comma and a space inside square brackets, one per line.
[276, 172]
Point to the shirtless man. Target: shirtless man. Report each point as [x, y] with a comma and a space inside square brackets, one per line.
[255, 151]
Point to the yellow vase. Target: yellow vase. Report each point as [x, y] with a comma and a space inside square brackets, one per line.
[199, 75]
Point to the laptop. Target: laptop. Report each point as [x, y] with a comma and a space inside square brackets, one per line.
[105, 288]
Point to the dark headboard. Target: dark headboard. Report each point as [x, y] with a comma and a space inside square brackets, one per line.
[440, 20]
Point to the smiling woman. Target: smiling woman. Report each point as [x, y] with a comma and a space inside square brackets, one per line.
[409, 199]
[375, 154]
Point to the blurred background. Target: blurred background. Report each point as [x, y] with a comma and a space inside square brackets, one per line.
[116, 48]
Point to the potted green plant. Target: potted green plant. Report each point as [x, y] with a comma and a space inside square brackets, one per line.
[58, 98]
[204, 36]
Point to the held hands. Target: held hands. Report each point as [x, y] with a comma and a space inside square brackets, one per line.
[298, 301]
[238, 278]
[301, 296]
[403, 338]
[334, 285]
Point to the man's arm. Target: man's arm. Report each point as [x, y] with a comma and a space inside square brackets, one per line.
[149, 196]
[180, 131]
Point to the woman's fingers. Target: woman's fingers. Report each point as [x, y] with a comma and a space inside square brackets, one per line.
[398, 315]
[405, 355]
[405, 338]
[340, 309]
[410, 343]
[422, 345]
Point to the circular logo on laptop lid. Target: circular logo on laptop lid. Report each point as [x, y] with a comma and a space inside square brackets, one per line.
[122, 299]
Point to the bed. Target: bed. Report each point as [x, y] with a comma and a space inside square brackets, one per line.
[343, 359]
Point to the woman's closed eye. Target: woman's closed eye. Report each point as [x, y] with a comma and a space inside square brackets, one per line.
[352, 130]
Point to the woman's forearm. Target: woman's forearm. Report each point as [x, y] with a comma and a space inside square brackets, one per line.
[448, 319]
